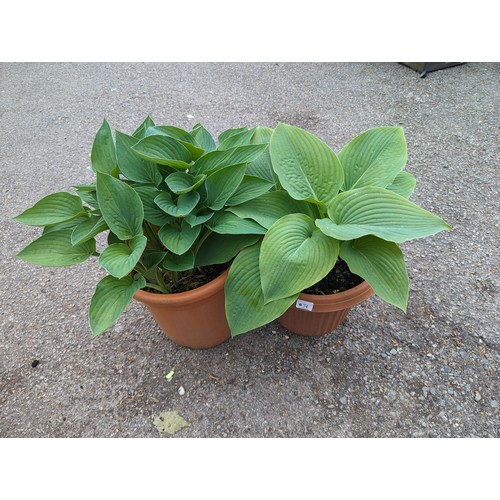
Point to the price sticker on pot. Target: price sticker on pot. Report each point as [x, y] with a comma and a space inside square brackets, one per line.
[304, 304]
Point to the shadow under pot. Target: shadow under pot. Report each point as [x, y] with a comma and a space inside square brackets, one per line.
[315, 315]
[195, 318]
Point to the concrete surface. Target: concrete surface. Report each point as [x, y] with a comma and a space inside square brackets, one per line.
[431, 373]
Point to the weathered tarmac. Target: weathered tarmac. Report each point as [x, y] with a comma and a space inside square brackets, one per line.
[433, 372]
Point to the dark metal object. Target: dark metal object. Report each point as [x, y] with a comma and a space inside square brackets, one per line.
[426, 67]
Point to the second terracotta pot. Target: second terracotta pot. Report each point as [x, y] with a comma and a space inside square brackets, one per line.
[195, 318]
[315, 315]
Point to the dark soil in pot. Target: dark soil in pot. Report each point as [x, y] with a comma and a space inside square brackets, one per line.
[194, 278]
[339, 279]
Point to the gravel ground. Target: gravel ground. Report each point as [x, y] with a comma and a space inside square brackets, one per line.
[433, 372]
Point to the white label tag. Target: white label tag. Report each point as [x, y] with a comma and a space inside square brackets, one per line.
[303, 304]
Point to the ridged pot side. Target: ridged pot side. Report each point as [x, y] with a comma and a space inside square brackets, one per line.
[328, 311]
[195, 318]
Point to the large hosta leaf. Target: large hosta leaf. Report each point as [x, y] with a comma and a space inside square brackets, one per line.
[221, 248]
[174, 262]
[152, 212]
[103, 155]
[54, 249]
[306, 167]
[229, 223]
[120, 206]
[374, 157]
[378, 211]
[269, 207]
[181, 206]
[87, 229]
[381, 263]
[222, 184]
[111, 297]
[203, 138]
[182, 136]
[251, 187]
[131, 165]
[404, 184]
[262, 166]
[178, 239]
[246, 308]
[164, 150]
[52, 209]
[119, 259]
[295, 254]
[140, 133]
[182, 182]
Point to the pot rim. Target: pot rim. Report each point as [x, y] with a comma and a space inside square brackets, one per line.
[339, 301]
[179, 298]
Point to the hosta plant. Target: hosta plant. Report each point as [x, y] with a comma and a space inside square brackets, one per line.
[160, 195]
[353, 205]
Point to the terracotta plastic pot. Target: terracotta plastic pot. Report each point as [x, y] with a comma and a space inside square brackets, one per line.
[196, 318]
[315, 315]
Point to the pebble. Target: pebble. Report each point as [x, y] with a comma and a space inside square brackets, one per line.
[181, 390]
[343, 400]
[393, 352]
[494, 404]
[477, 396]
[392, 394]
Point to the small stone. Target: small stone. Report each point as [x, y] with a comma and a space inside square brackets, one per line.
[393, 352]
[477, 396]
[494, 404]
[181, 391]
[331, 407]
[392, 394]
[343, 400]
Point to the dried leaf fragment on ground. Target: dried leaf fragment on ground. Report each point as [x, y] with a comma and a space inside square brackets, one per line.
[169, 422]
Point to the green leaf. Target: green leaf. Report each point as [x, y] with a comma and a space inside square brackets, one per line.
[374, 157]
[269, 207]
[229, 223]
[178, 239]
[221, 248]
[182, 182]
[230, 132]
[243, 154]
[54, 249]
[131, 165]
[306, 167]
[381, 263]
[111, 297]
[295, 255]
[262, 166]
[89, 196]
[152, 212]
[251, 187]
[246, 308]
[377, 211]
[152, 259]
[209, 162]
[240, 139]
[203, 138]
[404, 184]
[200, 217]
[52, 209]
[71, 224]
[222, 184]
[119, 259]
[180, 207]
[120, 205]
[103, 155]
[183, 262]
[87, 229]
[140, 133]
[180, 135]
[164, 150]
